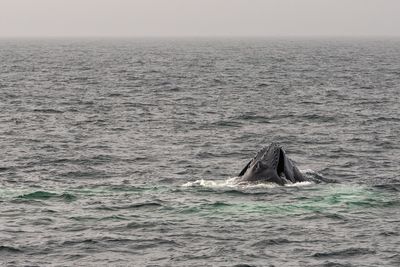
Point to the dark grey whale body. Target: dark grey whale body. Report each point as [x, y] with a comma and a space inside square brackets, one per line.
[271, 165]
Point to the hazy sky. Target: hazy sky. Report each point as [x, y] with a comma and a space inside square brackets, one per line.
[199, 17]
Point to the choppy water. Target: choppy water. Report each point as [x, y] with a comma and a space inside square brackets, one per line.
[122, 152]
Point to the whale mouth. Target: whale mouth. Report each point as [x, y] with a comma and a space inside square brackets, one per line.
[281, 165]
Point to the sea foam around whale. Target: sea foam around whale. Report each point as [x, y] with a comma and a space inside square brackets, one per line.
[234, 182]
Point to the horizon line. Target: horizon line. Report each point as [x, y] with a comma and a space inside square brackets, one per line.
[195, 36]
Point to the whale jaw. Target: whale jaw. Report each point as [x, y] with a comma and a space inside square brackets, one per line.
[271, 165]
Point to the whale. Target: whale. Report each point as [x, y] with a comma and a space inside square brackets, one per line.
[271, 165]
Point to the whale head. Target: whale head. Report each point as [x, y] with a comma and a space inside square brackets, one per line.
[271, 164]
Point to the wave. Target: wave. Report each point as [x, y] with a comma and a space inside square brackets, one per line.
[9, 249]
[345, 252]
[47, 110]
[44, 195]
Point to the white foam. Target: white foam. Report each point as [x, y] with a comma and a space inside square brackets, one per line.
[234, 182]
[300, 184]
[230, 182]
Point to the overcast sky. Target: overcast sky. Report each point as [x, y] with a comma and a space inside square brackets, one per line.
[37, 18]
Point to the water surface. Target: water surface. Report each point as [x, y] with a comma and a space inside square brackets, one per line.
[122, 152]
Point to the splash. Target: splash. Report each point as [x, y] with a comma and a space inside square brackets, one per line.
[234, 182]
[230, 183]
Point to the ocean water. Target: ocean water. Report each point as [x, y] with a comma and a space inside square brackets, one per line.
[123, 152]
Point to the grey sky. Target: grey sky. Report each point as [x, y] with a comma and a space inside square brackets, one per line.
[199, 17]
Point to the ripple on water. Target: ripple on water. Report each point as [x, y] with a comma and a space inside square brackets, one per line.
[44, 195]
[115, 152]
[9, 249]
[348, 252]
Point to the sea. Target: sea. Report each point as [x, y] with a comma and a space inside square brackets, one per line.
[124, 152]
